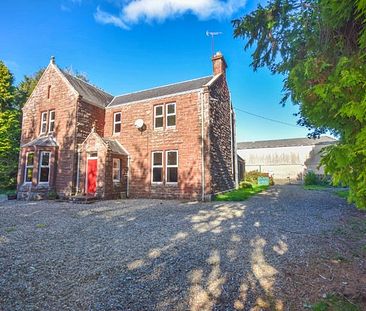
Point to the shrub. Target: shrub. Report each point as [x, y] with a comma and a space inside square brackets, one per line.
[311, 179]
[52, 195]
[245, 185]
[252, 177]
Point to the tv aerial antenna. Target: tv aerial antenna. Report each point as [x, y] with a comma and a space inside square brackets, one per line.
[212, 34]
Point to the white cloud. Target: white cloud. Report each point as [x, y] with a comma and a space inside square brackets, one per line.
[135, 11]
[106, 18]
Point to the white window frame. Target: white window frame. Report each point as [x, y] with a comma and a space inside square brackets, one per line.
[117, 122]
[159, 116]
[44, 166]
[169, 166]
[171, 114]
[26, 166]
[43, 122]
[51, 121]
[157, 166]
[118, 168]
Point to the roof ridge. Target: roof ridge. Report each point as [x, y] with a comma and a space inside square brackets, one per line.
[94, 86]
[158, 87]
[283, 139]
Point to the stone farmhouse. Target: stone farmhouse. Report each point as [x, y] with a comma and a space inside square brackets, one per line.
[174, 141]
[287, 160]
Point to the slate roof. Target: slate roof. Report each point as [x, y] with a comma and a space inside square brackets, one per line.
[88, 91]
[161, 91]
[43, 141]
[115, 146]
[292, 142]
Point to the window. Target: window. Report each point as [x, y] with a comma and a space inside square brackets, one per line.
[29, 162]
[170, 115]
[44, 167]
[157, 167]
[159, 117]
[49, 92]
[117, 123]
[172, 166]
[43, 122]
[116, 170]
[51, 122]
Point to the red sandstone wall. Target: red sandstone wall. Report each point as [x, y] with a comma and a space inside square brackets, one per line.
[63, 100]
[186, 138]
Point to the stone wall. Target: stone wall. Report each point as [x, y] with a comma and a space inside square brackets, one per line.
[221, 137]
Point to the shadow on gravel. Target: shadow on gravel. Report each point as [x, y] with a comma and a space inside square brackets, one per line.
[165, 255]
[215, 258]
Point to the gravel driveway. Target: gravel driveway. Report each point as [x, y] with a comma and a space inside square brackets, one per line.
[160, 255]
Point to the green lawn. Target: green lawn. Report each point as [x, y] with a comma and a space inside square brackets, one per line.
[240, 194]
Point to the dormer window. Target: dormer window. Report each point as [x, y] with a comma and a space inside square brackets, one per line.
[51, 123]
[117, 122]
[43, 123]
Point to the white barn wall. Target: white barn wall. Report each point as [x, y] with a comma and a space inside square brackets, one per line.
[283, 162]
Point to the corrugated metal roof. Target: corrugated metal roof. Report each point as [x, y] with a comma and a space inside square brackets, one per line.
[292, 142]
[161, 91]
[89, 92]
[43, 141]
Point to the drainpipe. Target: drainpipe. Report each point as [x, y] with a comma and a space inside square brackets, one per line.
[235, 149]
[128, 177]
[78, 172]
[231, 141]
[203, 183]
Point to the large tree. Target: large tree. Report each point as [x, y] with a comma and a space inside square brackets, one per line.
[6, 87]
[12, 99]
[319, 48]
[26, 87]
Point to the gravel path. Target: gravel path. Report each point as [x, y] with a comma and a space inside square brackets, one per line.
[160, 255]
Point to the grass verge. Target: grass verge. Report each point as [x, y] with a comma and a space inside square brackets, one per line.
[342, 193]
[316, 187]
[335, 303]
[240, 194]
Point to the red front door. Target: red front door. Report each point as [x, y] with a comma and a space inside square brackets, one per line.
[92, 176]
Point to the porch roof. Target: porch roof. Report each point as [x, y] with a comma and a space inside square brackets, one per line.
[43, 141]
[114, 146]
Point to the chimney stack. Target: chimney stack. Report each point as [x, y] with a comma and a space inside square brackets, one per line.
[219, 64]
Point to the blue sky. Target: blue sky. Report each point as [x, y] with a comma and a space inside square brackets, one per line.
[129, 45]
